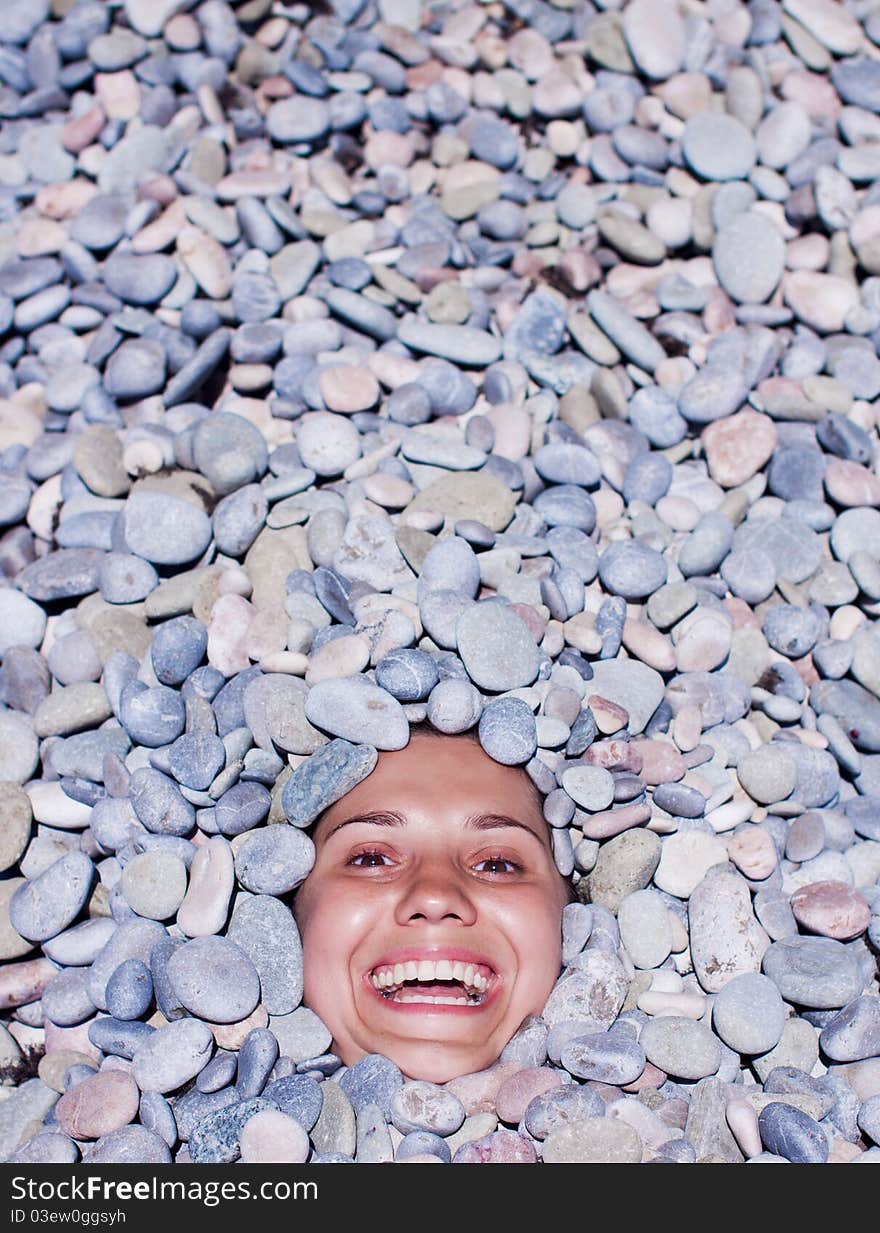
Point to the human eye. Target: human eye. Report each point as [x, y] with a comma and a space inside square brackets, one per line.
[368, 858]
[512, 866]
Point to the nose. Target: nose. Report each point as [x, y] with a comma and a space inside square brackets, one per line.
[433, 893]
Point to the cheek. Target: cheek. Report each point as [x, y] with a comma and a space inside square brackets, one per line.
[533, 926]
[332, 921]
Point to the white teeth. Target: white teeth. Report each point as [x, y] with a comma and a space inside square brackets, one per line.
[425, 970]
[432, 1001]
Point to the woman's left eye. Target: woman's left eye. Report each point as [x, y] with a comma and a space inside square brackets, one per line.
[512, 866]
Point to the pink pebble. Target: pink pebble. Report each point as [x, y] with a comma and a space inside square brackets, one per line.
[850, 484]
[516, 1093]
[831, 909]
[477, 1092]
[738, 446]
[661, 762]
[104, 1102]
[500, 1147]
[24, 982]
[753, 852]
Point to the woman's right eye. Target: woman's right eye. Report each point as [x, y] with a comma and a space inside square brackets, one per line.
[367, 860]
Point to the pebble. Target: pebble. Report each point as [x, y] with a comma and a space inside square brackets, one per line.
[831, 909]
[726, 939]
[818, 973]
[767, 774]
[748, 1014]
[718, 146]
[749, 258]
[593, 1140]
[681, 1047]
[172, 1055]
[792, 1134]
[214, 979]
[632, 569]
[163, 529]
[314, 435]
[99, 1105]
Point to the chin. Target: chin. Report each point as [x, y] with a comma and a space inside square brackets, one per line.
[439, 1069]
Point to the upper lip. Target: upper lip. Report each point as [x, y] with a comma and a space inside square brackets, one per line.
[435, 951]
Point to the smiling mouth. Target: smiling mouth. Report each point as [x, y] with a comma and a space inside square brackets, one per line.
[450, 984]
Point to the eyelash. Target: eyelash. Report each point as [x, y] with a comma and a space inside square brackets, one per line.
[515, 866]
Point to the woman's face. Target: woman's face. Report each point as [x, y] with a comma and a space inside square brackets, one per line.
[433, 878]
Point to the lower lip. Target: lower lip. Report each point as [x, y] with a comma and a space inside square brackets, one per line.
[439, 1008]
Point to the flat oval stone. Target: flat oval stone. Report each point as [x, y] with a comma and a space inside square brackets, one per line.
[591, 787]
[767, 774]
[129, 1145]
[854, 1034]
[274, 859]
[372, 1080]
[643, 920]
[130, 990]
[681, 1047]
[497, 648]
[507, 731]
[229, 451]
[264, 928]
[139, 279]
[831, 909]
[64, 574]
[299, 1097]
[163, 529]
[749, 257]
[718, 146]
[749, 1014]
[19, 747]
[327, 775]
[105, 1102]
[726, 939]
[593, 992]
[631, 569]
[154, 884]
[354, 709]
[593, 1140]
[298, 119]
[819, 973]
[44, 906]
[159, 804]
[462, 344]
[172, 1055]
[563, 463]
[560, 1106]
[426, 1106]
[214, 979]
[613, 1057]
[792, 1134]
[22, 622]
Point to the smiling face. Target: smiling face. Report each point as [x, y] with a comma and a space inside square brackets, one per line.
[420, 891]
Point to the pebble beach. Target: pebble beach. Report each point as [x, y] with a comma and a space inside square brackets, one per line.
[509, 365]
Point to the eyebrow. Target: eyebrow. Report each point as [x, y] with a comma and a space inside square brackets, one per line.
[474, 822]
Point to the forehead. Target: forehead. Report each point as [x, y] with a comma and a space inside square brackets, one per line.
[448, 777]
